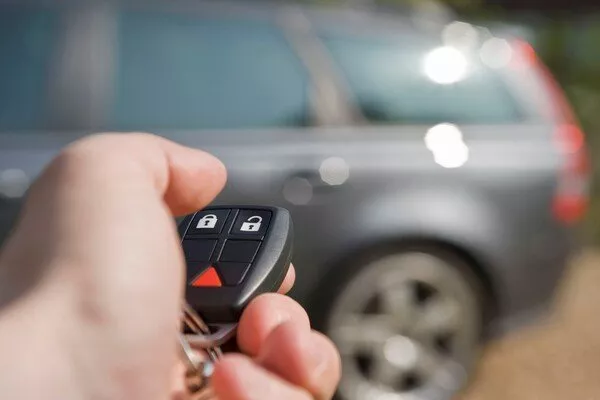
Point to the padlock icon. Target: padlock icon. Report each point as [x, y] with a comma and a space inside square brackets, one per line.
[207, 222]
[252, 224]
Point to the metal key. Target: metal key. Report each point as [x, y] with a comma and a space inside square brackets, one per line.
[233, 254]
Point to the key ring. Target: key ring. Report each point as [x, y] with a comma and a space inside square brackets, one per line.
[199, 369]
[202, 338]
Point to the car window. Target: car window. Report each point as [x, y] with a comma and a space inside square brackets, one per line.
[404, 81]
[189, 72]
[27, 43]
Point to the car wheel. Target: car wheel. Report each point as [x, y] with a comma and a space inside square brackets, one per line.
[408, 326]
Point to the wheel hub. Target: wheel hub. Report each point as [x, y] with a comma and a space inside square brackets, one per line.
[401, 352]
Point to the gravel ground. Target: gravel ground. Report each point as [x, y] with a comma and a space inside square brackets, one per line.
[557, 360]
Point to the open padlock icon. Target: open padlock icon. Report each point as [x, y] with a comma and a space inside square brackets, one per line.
[252, 224]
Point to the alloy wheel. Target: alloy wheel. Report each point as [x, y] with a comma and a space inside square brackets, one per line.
[407, 327]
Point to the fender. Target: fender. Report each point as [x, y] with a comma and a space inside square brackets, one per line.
[452, 215]
[449, 216]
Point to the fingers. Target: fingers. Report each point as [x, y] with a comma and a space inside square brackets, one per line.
[104, 204]
[102, 213]
[288, 282]
[263, 315]
[236, 377]
[186, 178]
[108, 185]
[305, 359]
[276, 330]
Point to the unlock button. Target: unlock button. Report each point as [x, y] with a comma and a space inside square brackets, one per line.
[251, 222]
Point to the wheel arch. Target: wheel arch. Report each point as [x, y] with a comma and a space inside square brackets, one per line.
[350, 263]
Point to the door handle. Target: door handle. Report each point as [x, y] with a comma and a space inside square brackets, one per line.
[333, 172]
[304, 187]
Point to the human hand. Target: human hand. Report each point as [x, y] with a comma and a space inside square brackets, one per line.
[100, 321]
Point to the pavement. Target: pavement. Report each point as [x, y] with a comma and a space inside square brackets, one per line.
[559, 359]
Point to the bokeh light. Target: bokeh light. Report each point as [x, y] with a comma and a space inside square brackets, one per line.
[445, 65]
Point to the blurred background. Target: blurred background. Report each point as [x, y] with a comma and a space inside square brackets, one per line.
[436, 157]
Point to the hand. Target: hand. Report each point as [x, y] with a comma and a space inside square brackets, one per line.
[97, 250]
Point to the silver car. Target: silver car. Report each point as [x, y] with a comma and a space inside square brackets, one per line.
[434, 171]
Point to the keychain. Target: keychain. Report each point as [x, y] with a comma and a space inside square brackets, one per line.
[233, 254]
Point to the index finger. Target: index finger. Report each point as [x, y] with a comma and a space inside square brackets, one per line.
[288, 281]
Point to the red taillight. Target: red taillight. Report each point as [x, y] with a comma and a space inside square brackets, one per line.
[569, 210]
[571, 198]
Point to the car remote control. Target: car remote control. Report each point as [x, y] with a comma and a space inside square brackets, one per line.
[233, 254]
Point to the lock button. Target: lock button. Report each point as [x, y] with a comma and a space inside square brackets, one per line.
[208, 222]
[251, 222]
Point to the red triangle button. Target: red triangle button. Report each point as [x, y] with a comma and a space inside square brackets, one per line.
[209, 278]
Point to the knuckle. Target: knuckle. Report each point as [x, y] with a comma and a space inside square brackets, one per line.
[84, 152]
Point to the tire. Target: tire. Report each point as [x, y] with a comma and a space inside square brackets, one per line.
[408, 325]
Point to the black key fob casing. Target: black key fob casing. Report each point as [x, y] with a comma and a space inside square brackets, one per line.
[233, 254]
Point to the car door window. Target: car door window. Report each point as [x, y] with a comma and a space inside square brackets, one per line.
[388, 79]
[191, 72]
[27, 43]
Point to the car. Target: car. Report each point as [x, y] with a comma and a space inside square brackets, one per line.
[434, 171]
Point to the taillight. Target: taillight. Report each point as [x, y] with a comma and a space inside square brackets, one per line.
[571, 198]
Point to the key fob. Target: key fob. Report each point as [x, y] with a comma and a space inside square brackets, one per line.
[233, 254]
